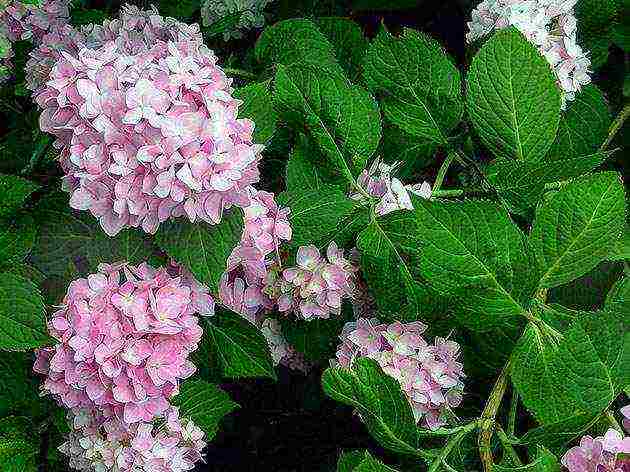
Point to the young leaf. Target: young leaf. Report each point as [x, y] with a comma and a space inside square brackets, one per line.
[420, 84]
[343, 119]
[575, 229]
[22, 320]
[583, 126]
[205, 404]
[241, 349]
[315, 214]
[513, 99]
[14, 190]
[201, 248]
[296, 42]
[258, 107]
[378, 399]
[348, 42]
[470, 250]
[581, 373]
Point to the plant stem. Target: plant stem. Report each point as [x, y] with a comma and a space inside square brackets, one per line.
[513, 412]
[450, 445]
[244, 74]
[488, 419]
[443, 170]
[507, 446]
[616, 126]
[608, 416]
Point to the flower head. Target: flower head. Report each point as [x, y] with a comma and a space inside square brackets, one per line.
[600, 454]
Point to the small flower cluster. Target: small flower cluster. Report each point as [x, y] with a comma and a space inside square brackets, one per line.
[393, 195]
[246, 15]
[25, 21]
[106, 444]
[147, 125]
[265, 226]
[123, 339]
[429, 374]
[316, 287]
[550, 25]
[610, 452]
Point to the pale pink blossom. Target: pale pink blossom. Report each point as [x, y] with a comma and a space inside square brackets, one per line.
[600, 454]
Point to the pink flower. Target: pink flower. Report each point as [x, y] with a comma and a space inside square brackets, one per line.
[603, 453]
[124, 336]
[625, 411]
[429, 375]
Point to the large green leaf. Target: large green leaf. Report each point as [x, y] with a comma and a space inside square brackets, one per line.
[258, 106]
[296, 42]
[618, 299]
[419, 84]
[22, 319]
[378, 399]
[513, 100]
[16, 239]
[205, 404]
[522, 183]
[14, 190]
[241, 349]
[577, 374]
[347, 40]
[583, 126]
[370, 464]
[575, 229]
[201, 248]
[307, 168]
[621, 249]
[19, 390]
[315, 214]
[130, 245]
[19, 447]
[343, 119]
[557, 435]
[472, 251]
[543, 461]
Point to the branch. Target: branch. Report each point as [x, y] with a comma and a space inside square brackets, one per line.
[616, 126]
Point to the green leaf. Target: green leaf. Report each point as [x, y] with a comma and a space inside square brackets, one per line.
[580, 373]
[16, 239]
[348, 42]
[557, 435]
[19, 390]
[513, 100]
[379, 400]
[419, 84]
[412, 153]
[241, 349]
[22, 319]
[296, 42]
[470, 250]
[575, 229]
[129, 245]
[307, 169]
[583, 126]
[19, 448]
[14, 190]
[182, 9]
[315, 214]
[349, 460]
[621, 249]
[343, 119]
[618, 298]
[370, 464]
[258, 106]
[544, 461]
[201, 248]
[522, 183]
[205, 404]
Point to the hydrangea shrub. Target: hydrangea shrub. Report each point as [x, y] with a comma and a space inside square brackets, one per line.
[200, 193]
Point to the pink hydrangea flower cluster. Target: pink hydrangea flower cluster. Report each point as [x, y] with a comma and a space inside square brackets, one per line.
[550, 25]
[123, 339]
[316, 287]
[22, 21]
[429, 374]
[265, 226]
[393, 195]
[625, 412]
[147, 125]
[169, 444]
[610, 452]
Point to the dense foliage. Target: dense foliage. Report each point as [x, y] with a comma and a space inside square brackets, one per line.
[426, 250]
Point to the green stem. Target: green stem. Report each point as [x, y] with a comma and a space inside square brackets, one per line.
[616, 126]
[608, 416]
[512, 414]
[487, 422]
[443, 170]
[507, 446]
[244, 74]
[450, 445]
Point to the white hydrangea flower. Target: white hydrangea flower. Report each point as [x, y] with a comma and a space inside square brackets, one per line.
[251, 14]
[550, 25]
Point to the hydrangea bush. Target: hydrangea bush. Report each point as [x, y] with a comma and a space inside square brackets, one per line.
[206, 201]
